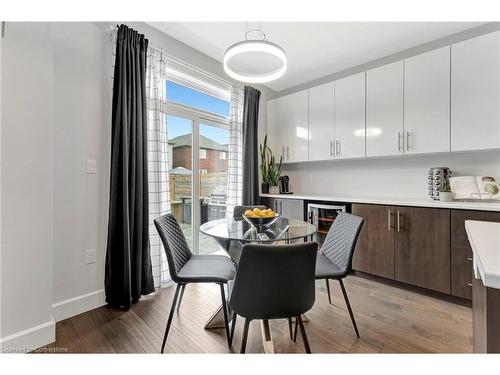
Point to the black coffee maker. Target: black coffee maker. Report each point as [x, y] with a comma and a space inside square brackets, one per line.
[285, 185]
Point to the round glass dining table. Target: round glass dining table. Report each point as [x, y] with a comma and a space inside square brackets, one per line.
[283, 229]
[231, 234]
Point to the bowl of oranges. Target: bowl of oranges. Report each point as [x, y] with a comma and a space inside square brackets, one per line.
[260, 218]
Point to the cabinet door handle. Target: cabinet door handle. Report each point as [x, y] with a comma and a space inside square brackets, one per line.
[337, 147]
[283, 152]
[408, 139]
[287, 153]
[469, 284]
[331, 148]
[399, 141]
[469, 259]
[398, 221]
[389, 220]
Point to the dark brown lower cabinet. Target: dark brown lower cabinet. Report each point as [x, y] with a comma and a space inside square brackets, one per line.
[461, 253]
[485, 318]
[407, 244]
[374, 252]
[422, 247]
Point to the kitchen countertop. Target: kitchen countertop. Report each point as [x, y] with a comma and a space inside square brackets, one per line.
[414, 202]
[484, 238]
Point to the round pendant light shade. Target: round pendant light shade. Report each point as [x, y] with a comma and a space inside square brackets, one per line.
[255, 61]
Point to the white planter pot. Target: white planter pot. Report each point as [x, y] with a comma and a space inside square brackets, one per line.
[445, 196]
[274, 190]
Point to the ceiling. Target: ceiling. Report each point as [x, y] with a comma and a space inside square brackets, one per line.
[314, 49]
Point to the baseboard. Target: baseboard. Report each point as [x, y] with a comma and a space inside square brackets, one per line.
[29, 339]
[77, 305]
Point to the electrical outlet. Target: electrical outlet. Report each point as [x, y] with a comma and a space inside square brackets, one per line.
[91, 256]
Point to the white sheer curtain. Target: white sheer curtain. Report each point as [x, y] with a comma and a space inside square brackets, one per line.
[158, 179]
[235, 161]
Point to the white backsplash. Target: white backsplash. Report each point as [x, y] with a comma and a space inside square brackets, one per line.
[403, 176]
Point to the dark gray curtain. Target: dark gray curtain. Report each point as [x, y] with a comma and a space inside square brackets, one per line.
[128, 263]
[250, 146]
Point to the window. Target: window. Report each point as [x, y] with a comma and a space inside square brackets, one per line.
[197, 122]
[192, 98]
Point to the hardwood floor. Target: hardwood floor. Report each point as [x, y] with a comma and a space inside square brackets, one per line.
[390, 320]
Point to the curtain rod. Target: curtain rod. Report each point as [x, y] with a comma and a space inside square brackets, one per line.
[112, 29]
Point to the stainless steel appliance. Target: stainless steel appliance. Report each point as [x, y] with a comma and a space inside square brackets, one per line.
[322, 217]
[437, 178]
[214, 206]
[285, 185]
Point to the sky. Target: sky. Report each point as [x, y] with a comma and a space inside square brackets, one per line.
[179, 126]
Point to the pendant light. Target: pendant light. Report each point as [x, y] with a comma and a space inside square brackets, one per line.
[255, 60]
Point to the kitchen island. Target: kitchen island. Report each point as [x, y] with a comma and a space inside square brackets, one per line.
[484, 238]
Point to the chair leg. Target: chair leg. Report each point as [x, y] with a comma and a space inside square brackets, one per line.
[224, 309]
[290, 327]
[233, 326]
[172, 308]
[245, 336]
[344, 292]
[296, 329]
[328, 291]
[303, 333]
[183, 286]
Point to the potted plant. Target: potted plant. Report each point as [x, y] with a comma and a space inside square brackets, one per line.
[270, 170]
[445, 195]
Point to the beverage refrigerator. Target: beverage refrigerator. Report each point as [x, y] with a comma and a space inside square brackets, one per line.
[322, 215]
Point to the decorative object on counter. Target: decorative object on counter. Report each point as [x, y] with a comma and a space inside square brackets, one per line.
[285, 185]
[475, 188]
[445, 195]
[271, 171]
[437, 177]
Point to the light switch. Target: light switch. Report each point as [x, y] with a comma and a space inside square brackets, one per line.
[91, 166]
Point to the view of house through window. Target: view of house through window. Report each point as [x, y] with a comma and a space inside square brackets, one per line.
[180, 132]
[210, 171]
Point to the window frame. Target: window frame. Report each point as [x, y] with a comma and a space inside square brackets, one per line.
[203, 152]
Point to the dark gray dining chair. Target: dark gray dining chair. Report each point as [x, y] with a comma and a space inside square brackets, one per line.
[274, 282]
[334, 259]
[186, 267]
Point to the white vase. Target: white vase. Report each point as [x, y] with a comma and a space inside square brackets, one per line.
[445, 196]
[274, 190]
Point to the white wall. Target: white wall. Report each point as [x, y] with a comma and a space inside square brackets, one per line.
[82, 130]
[400, 176]
[27, 185]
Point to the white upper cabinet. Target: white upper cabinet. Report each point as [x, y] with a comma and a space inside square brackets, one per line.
[475, 93]
[350, 117]
[297, 127]
[275, 122]
[321, 119]
[384, 110]
[427, 102]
